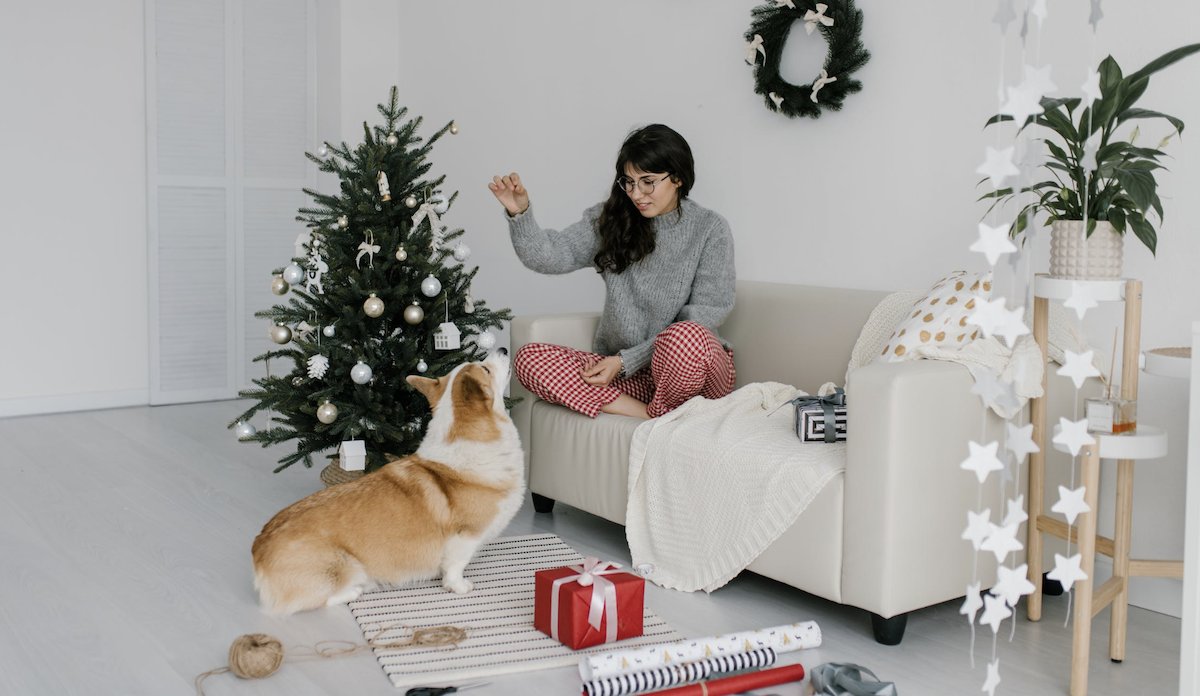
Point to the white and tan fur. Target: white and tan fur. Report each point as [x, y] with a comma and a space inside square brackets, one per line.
[412, 518]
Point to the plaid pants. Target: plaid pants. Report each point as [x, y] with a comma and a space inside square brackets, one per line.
[688, 360]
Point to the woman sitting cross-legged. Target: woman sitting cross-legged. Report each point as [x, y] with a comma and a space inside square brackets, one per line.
[669, 283]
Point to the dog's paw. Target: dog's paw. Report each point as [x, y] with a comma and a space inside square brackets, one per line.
[457, 585]
[346, 596]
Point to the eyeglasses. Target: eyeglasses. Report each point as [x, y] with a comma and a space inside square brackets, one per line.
[646, 186]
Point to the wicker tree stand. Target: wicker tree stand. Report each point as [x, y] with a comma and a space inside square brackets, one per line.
[334, 474]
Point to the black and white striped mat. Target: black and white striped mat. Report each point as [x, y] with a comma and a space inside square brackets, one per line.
[497, 615]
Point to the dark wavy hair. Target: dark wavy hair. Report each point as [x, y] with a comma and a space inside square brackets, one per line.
[625, 236]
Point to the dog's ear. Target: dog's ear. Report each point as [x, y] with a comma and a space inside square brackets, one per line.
[431, 388]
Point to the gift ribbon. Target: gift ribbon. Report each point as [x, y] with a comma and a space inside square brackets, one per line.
[827, 403]
[604, 595]
[845, 679]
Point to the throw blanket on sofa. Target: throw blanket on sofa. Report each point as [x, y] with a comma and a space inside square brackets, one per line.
[714, 482]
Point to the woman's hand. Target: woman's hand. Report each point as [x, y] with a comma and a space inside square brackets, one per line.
[601, 373]
[511, 194]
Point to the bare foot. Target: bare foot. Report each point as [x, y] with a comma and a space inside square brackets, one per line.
[626, 405]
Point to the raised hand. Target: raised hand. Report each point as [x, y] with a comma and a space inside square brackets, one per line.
[511, 194]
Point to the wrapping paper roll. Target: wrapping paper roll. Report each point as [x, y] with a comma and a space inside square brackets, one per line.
[662, 677]
[739, 683]
[797, 636]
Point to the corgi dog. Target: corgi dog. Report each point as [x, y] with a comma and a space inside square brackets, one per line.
[412, 518]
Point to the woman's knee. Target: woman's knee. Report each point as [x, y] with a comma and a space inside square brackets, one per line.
[685, 335]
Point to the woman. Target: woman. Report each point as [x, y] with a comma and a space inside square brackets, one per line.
[669, 279]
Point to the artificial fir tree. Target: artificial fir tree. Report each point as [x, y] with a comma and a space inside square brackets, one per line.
[380, 283]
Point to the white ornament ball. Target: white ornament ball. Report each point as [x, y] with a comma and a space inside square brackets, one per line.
[243, 430]
[440, 203]
[327, 413]
[453, 130]
[343, 222]
[328, 331]
[393, 140]
[323, 151]
[485, 340]
[411, 201]
[413, 313]
[281, 334]
[294, 274]
[431, 286]
[361, 373]
[373, 306]
[461, 252]
[279, 286]
[421, 366]
[401, 254]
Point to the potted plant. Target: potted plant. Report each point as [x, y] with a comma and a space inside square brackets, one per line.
[1115, 192]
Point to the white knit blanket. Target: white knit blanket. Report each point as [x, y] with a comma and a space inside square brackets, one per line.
[726, 480]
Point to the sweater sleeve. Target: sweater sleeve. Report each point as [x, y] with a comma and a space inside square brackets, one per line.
[551, 251]
[715, 283]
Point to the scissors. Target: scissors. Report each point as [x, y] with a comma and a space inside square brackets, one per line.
[440, 690]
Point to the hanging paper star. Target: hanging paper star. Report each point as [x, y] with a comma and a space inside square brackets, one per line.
[1002, 541]
[995, 611]
[1012, 584]
[1020, 441]
[979, 525]
[1034, 157]
[1070, 503]
[1011, 326]
[777, 99]
[1096, 15]
[1091, 87]
[755, 46]
[1016, 511]
[972, 603]
[1039, 10]
[1073, 435]
[1037, 81]
[997, 167]
[993, 677]
[1004, 15]
[1007, 400]
[982, 459]
[1081, 300]
[1090, 149]
[988, 314]
[1067, 571]
[812, 18]
[1078, 367]
[1021, 104]
[987, 387]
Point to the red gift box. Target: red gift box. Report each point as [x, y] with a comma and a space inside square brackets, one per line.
[589, 598]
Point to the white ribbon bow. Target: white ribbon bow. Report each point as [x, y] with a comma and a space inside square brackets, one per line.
[821, 82]
[811, 18]
[781, 3]
[604, 595]
[367, 247]
[755, 46]
[426, 211]
[777, 99]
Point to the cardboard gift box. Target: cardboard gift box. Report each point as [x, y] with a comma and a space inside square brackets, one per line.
[582, 606]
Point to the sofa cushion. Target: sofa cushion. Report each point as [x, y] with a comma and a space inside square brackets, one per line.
[940, 317]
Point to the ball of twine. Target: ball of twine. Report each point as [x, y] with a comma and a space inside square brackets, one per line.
[254, 656]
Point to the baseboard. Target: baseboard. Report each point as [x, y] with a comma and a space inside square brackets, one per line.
[89, 401]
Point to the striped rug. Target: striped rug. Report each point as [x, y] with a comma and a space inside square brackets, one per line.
[497, 615]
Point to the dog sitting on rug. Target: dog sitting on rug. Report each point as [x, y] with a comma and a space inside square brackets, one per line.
[411, 518]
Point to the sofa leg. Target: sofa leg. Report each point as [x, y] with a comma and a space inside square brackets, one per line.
[541, 503]
[889, 631]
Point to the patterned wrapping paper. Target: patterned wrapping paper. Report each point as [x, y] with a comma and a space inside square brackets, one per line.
[663, 677]
[810, 423]
[797, 636]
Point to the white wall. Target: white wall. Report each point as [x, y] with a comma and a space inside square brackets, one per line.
[73, 249]
[881, 195]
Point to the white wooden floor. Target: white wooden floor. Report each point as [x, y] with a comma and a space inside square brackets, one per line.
[125, 569]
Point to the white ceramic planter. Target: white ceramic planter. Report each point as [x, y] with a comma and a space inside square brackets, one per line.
[1098, 257]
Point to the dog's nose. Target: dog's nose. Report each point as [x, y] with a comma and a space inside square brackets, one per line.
[502, 351]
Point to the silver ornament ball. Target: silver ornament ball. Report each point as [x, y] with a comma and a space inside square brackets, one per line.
[431, 286]
[243, 430]
[401, 254]
[411, 201]
[328, 331]
[440, 204]
[279, 286]
[293, 274]
[327, 413]
[373, 306]
[323, 151]
[281, 334]
[393, 140]
[485, 340]
[413, 313]
[361, 373]
[461, 252]
[343, 222]
[421, 366]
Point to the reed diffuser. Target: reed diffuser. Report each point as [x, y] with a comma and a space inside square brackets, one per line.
[1111, 415]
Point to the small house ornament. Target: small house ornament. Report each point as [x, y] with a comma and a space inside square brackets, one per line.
[447, 337]
[352, 455]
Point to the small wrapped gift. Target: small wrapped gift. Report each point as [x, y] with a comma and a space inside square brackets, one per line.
[814, 414]
[586, 605]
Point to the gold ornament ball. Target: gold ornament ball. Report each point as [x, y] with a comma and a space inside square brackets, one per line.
[327, 413]
[401, 254]
[411, 201]
[373, 306]
[279, 286]
[393, 140]
[413, 313]
[453, 130]
[281, 334]
[343, 222]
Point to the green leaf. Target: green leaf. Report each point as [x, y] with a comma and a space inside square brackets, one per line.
[1139, 184]
[1144, 231]
[1147, 113]
[1166, 59]
[1110, 76]
[1132, 91]
[1057, 152]
[1116, 216]
[1091, 226]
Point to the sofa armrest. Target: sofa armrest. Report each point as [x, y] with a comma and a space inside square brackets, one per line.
[906, 497]
[575, 330]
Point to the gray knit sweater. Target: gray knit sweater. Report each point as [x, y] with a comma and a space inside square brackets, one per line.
[690, 276]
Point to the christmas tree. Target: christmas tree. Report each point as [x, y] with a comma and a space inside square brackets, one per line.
[379, 292]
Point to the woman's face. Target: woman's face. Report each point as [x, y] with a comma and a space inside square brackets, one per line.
[662, 198]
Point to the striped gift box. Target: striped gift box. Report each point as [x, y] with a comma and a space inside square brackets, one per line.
[810, 423]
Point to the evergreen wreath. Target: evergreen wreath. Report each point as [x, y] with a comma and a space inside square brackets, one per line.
[841, 25]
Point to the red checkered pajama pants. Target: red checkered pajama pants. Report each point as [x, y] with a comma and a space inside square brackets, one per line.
[688, 360]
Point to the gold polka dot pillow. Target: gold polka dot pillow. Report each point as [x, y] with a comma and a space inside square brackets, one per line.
[940, 317]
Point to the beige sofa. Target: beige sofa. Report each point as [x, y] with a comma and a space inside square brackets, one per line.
[885, 535]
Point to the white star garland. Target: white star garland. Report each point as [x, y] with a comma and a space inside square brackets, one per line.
[1073, 435]
[993, 677]
[982, 460]
[1081, 300]
[988, 314]
[995, 611]
[1021, 104]
[1070, 503]
[1011, 326]
[997, 166]
[1078, 367]
[1067, 571]
[979, 526]
[1002, 541]
[1020, 441]
[1091, 87]
[993, 242]
[1012, 584]
[1016, 511]
[1037, 81]
[972, 603]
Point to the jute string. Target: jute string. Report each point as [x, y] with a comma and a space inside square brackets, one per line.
[257, 655]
